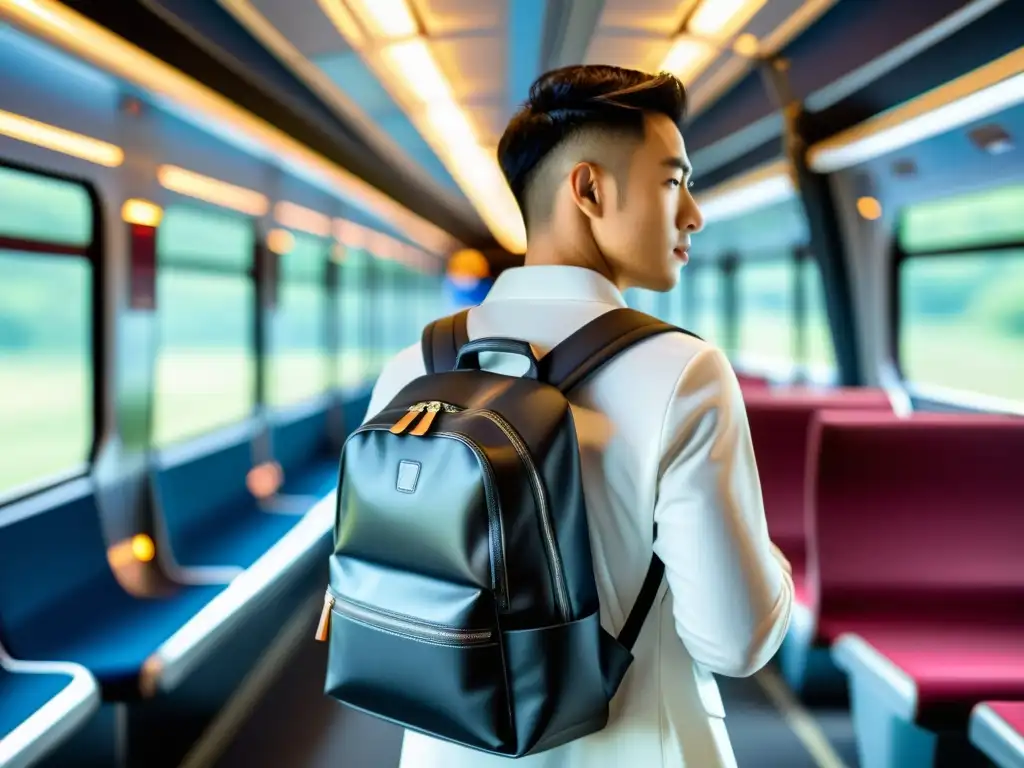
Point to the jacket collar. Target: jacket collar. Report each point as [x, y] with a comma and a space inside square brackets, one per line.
[549, 282]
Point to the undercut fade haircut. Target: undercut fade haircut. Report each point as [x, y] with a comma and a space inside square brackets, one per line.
[566, 104]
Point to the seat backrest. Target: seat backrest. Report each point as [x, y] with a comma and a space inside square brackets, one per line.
[51, 545]
[748, 381]
[922, 514]
[191, 488]
[298, 442]
[779, 422]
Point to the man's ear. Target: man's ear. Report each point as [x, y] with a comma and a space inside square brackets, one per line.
[585, 181]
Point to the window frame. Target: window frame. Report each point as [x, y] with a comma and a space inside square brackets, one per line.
[92, 254]
[937, 396]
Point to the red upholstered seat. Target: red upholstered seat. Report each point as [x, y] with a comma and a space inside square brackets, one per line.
[1012, 712]
[916, 532]
[751, 382]
[779, 423]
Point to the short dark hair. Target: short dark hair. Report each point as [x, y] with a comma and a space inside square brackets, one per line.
[567, 101]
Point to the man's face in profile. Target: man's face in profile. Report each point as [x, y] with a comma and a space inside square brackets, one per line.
[645, 231]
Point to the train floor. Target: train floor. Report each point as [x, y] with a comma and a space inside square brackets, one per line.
[293, 725]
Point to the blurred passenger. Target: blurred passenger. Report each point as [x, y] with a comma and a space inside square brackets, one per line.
[597, 162]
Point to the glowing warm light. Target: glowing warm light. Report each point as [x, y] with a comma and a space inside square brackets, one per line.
[386, 18]
[414, 63]
[687, 57]
[746, 45]
[407, 67]
[719, 19]
[343, 21]
[451, 123]
[60, 140]
[303, 219]
[141, 212]
[468, 264]
[280, 241]
[264, 479]
[212, 190]
[986, 91]
[143, 548]
[66, 28]
[869, 208]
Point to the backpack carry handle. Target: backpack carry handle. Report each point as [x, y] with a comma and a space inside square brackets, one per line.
[468, 357]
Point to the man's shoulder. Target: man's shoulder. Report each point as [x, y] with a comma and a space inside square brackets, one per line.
[398, 371]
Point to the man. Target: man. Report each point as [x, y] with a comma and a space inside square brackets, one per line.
[598, 165]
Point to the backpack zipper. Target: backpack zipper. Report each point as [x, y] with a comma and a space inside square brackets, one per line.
[396, 624]
[561, 591]
[432, 408]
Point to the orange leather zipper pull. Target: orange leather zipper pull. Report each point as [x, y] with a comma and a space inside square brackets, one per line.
[427, 420]
[403, 423]
[323, 629]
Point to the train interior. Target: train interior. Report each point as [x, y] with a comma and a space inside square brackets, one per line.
[216, 217]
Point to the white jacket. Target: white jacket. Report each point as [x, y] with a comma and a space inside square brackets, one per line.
[664, 439]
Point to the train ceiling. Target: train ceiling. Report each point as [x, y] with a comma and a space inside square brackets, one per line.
[412, 95]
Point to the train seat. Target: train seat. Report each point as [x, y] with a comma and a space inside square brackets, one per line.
[779, 422]
[914, 571]
[59, 599]
[310, 462]
[41, 705]
[749, 381]
[211, 517]
[997, 730]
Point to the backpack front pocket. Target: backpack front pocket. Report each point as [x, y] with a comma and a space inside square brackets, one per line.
[445, 680]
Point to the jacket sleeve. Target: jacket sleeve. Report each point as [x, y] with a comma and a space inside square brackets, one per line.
[732, 590]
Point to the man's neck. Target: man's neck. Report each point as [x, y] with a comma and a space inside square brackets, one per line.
[550, 252]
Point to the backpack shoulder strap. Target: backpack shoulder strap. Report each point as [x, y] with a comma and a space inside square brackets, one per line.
[571, 363]
[577, 358]
[442, 340]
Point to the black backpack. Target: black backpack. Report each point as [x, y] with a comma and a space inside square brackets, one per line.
[462, 600]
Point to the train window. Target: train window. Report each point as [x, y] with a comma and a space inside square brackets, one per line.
[412, 301]
[819, 355]
[961, 319]
[431, 302]
[354, 306]
[397, 325]
[708, 300]
[673, 303]
[766, 313]
[206, 366]
[973, 220]
[46, 368]
[28, 203]
[297, 369]
[962, 322]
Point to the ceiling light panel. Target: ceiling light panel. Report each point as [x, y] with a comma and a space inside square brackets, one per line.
[720, 19]
[413, 62]
[385, 19]
[688, 57]
[408, 68]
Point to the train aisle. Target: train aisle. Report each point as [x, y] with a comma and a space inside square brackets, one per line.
[295, 726]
